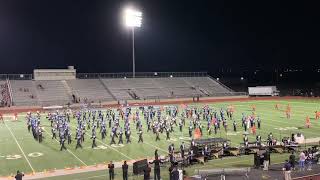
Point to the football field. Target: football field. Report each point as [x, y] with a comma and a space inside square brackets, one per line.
[19, 151]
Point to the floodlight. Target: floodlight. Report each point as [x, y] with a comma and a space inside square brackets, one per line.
[218, 79]
[241, 78]
[132, 18]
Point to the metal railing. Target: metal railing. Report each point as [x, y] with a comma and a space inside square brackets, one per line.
[113, 75]
[195, 95]
[16, 76]
[140, 75]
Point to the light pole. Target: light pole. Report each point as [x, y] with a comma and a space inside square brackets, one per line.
[133, 18]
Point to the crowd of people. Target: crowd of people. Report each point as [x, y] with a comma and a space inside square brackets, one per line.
[5, 95]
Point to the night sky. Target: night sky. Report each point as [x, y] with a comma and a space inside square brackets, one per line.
[176, 35]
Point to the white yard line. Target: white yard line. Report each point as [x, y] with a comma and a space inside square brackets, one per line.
[70, 151]
[77, 157]
[20, 148]
[152, 145]
[113, 148]
[110, 147]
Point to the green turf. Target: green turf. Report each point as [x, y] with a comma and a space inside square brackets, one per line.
[52, 158]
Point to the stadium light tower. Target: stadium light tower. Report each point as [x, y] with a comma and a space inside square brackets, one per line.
[132, 19]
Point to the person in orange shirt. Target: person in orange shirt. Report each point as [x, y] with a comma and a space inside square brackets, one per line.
[1, 118]
[308, 124]
[276, 106]
[317, 115]
[254, 130]
[197, 133]
[15, 116]
[253, 107]
[288, 114]
[289, 108]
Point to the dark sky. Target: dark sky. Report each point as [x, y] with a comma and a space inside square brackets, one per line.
[176, 35]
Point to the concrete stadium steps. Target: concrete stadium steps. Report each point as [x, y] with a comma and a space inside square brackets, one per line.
[165, 87]
[20, 97]
[94, 90]
[121, 94]
[121, 88]
[53, 93]
[171, 82]
[208, 85]
[183, 92]
[90, 89]
[129, 83]
[151, 93]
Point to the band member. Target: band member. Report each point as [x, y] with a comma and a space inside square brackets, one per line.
[190, 156]
[62, 144]
[259, 122]
[206, 153]
[120, 137]
[258, 140]
[140, 135]
[78, 142]
[171, 148]
[234, 126]
[94, 144]
[182, 149]
[157, 135]
[270, 139]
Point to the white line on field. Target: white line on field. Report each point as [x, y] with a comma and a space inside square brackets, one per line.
[69, 151]
[152, 145]
[110, 147]
[20, 148]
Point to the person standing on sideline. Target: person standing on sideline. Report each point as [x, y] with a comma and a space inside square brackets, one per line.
[146, 173]
[266, 160]
[19, 175]
[302, 159]
[125, 170]
[156, 168]
[111, 170]
[292, 160]
[287, 170]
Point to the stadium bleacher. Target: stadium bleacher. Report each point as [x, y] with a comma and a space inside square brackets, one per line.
[59, 92]
[23, 92]
[51, 92]
[90, 89]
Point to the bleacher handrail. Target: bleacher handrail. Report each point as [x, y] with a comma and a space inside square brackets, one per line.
[140, 75]
[16, 76]
[223, 85]
[113, 75]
